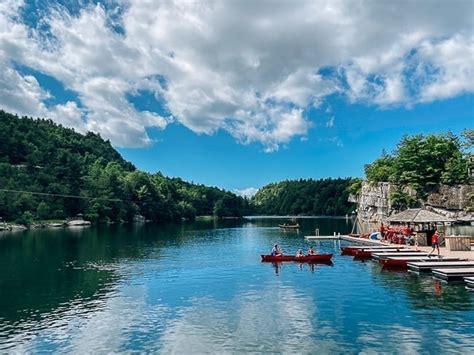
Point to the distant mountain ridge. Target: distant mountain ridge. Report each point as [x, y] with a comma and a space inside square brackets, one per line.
[305, 197]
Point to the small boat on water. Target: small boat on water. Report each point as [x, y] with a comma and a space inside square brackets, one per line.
[318, 258]
[289, 226]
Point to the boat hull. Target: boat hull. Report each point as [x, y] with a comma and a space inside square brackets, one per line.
[319, 258]
[297, 226]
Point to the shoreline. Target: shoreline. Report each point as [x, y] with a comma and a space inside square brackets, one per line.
[52, 224]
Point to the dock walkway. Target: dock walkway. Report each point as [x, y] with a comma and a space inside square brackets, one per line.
[427, 266]
[344, 237]
[453, 274]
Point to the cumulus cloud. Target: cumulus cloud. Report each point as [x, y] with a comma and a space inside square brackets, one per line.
[232, 65]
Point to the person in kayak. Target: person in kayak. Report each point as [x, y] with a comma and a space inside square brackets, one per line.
[276, 251]
[299, 253]
[311, 251]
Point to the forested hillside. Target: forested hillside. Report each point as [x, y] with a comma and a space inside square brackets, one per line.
[306, 197]
[40, 156]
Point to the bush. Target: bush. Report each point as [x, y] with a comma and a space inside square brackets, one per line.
[26, 219]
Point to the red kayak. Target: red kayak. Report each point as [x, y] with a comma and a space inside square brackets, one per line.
[302, 259]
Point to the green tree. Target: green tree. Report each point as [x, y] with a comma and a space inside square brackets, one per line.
[43, 211]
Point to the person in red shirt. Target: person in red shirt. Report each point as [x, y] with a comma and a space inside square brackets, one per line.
[434, 243]
[382, 231]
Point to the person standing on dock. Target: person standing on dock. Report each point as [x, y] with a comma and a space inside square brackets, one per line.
[434, 243]
[382, 231]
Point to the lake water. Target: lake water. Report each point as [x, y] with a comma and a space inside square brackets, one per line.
[201, 287]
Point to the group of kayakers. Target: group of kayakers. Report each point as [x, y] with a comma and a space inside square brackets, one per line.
[276, 251]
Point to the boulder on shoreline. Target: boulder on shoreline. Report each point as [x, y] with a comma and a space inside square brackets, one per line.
[12, 228]
[78, 223]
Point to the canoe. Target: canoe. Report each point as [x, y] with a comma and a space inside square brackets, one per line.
[289, 226]
[303, 259]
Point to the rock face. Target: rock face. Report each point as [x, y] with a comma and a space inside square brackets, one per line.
[452, 197]
[373, 203]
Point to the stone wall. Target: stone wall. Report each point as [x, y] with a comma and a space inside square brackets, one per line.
[373, 203]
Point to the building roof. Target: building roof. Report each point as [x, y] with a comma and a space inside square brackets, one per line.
[418, 215]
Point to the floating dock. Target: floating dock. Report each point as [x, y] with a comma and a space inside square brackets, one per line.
[427, 266]
[369, 253]
[453, 274]
[373, 247]
[399, 254]
[381, 250]
[401, 262]
[344, 237]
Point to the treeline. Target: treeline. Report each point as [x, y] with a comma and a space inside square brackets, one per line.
[40, 156]
[423, 163]
[305, 197]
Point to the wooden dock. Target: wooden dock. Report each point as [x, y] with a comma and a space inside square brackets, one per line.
[380, 250]
[413, 258]
[344, 237]
[372, 247]
[427, 266]
[321, 237]
[453, 274]
[413, 253]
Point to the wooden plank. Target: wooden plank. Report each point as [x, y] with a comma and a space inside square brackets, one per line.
[321, 237]
[453, 274]
[362, 240]
[387, 255]
[469, 282]
[426, 266]
[393, 251]
[376, 247]
[422, 258]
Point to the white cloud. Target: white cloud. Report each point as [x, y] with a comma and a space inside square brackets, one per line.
[330, 122]
[235, 65]
[453, 61]
[247, 192]
[21, 94]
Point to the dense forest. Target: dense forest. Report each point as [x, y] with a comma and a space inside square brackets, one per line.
[423, 163]
[305, 197]
[40, 156]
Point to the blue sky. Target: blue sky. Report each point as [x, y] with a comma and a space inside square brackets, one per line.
[359, 135]
[240, 94]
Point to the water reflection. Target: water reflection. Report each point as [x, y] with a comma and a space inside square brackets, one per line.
[278, 267]
[201, 287]
[424, 291]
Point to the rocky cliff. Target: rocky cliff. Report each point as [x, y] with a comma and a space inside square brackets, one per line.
[373, 202]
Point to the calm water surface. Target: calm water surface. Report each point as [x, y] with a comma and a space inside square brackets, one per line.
[200, 287]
